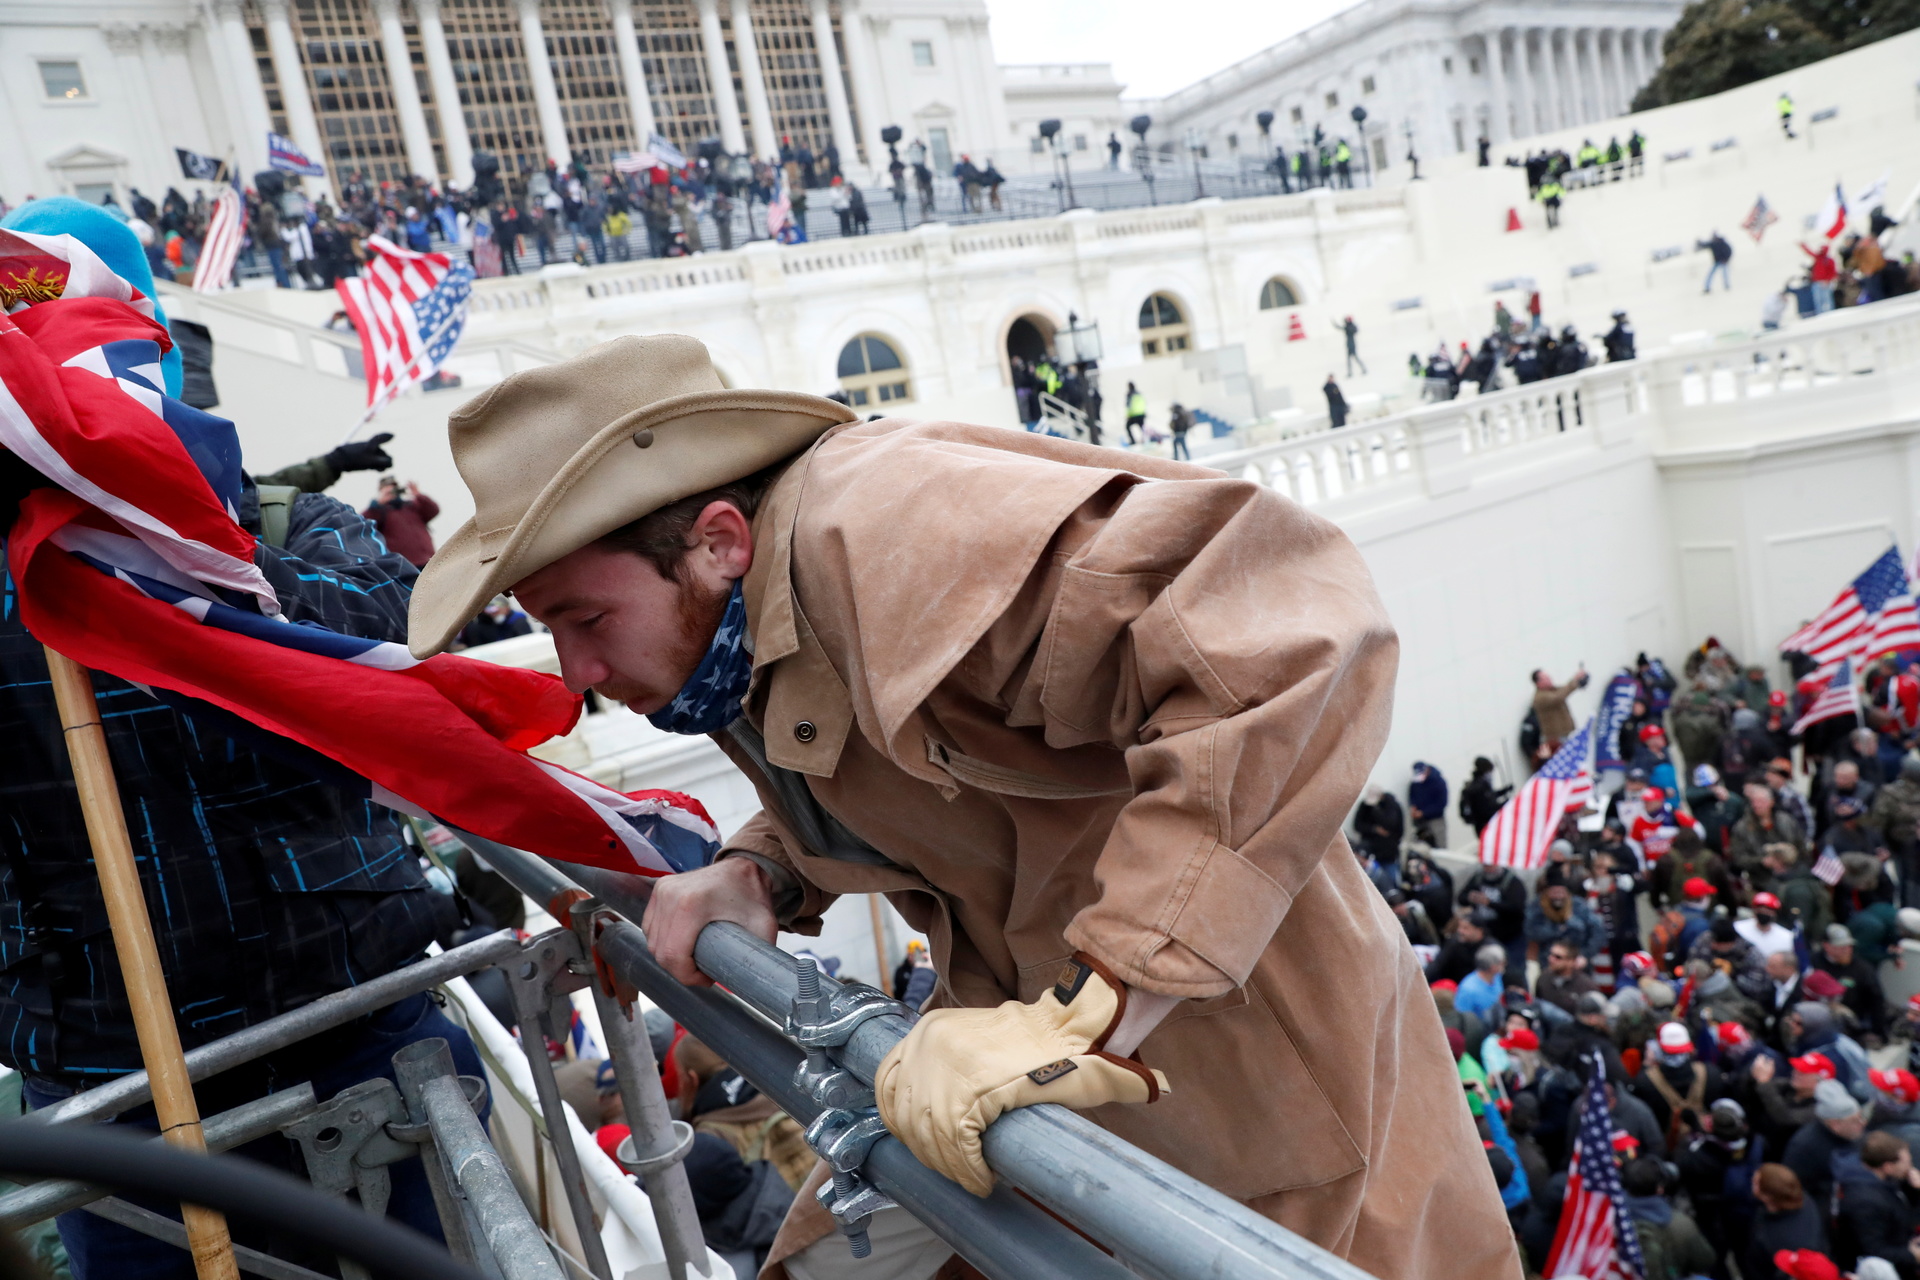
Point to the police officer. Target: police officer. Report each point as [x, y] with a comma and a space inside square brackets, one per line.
[1619, 339]
[1343, 162]
[1137, 407]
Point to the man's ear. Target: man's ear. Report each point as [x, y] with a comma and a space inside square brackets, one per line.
[723, 538]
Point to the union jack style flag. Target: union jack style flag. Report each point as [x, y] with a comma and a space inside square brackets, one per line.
[1872, 615]
[135, 565]
[409, 309]
[1595, 1239]
[1524, 827]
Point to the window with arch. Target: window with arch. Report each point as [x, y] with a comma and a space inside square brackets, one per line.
[1277, 293]
[872, 372]
[1163, 326]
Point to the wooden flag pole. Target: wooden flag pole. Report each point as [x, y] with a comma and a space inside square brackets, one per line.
[173, 1099]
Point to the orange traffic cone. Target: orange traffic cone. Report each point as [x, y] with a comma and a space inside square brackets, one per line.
[1513, 218]
[1295, 333]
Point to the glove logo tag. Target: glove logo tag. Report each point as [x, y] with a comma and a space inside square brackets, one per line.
[1052, 1071]
[1073, 977]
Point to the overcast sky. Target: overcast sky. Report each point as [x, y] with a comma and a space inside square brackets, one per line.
[1155, 46]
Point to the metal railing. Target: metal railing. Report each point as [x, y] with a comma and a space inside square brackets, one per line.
[1154, 1219]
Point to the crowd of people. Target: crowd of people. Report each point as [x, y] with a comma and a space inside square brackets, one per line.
[1551, 172]
[1715, 934]
[1526, 347]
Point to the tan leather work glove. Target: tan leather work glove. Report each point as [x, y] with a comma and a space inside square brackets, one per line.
[959, 1069]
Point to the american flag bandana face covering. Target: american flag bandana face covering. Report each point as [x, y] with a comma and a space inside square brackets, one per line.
[710, 699]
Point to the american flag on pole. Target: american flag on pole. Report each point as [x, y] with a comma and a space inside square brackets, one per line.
[1595, 1239]
[1873, 615]
[1828, 868]
[409, 309]
[1837, 699]
[1520, 832]
[226, 227]
[1760, 218]
[135, 565]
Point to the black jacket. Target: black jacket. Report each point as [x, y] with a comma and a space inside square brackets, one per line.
[1810, 1154]
[1480, 800]
[1800, 1228]
[268, 888]
[1506, 894]
[1876, 1220]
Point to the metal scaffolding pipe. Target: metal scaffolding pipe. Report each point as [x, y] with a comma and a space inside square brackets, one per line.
[1157, 1219]
[324, 1014]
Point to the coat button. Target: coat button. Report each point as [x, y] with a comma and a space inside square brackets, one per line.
[805, 731]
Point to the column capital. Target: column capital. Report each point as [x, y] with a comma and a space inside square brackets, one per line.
[528, 6]
[121, 37]
[384, 9]
[274, 10]
[618, 7]
[227, 10]
[426, 8]
[169, 37]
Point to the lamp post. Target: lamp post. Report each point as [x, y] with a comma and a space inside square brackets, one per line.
[1412, 157]
[1265, 120]
[1195, 145]
[1142, 157]
[1359, 114]
[891, 136]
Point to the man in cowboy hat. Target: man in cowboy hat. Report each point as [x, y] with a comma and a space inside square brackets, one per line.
[1092, 721]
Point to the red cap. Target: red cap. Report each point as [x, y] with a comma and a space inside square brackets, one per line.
[609, 1137]
[1653, 797]
[1445, 984]
[1635, 963]
[1822, 985]
[1624, 1141]
[1522, 1038]
[1913, 1002]
[1695, 887]
[1805, 1264]
[1899, 1084]
[1813, 1064]
[1648, 732]
[1778, 698]
[1766, 900]
[1732, 1035]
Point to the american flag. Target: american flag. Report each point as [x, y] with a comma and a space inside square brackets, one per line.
[1837, 699]
[226, 227]
[1873, 615]
[1519, 834]
[1828, 867]
[409, 309]
[1761, 217]
[1596, 1238]
[135, 565]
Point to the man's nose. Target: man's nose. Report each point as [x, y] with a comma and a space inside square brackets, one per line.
[579, 670]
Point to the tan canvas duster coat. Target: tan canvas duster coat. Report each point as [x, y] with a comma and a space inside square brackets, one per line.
[1085, 700]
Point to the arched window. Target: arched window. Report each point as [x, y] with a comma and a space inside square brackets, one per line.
[1163, 329]
[872, 372]
[1277, 293]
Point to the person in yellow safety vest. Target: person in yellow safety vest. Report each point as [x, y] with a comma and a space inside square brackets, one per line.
[618, 223]
[1589, 154]
[1137, 403]
[1299, 164]
[1785, 106]
[1549, 198]
[1048, 375]
[1343, 162]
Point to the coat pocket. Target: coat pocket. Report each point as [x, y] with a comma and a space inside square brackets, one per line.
[1245, 1115]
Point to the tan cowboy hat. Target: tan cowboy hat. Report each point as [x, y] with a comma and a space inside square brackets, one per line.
[560, 456]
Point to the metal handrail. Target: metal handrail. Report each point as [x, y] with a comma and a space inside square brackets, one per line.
[1156, 1219]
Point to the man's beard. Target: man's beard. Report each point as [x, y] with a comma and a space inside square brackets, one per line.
[699, 612]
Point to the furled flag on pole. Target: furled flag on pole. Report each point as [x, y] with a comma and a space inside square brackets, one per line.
[1759, 218]
[1837, 699]
[1832, 218]
[201, 168]
[409, 309]
[1616, 704]
[225, 230]
[1595, 1238]
[283, 154]
[1520, 832]
[135, 565]
[1872, 615]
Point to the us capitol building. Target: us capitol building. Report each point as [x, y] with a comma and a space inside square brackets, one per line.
[98, 95]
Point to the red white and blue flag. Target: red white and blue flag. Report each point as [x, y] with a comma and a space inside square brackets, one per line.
[1873, 615]
[1595, 1239]
[1836, 699]
[409, 309]
[283, 154]
[1527, 823]
[136, 566]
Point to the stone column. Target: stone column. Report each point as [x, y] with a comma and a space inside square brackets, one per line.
[293, 80]
[1565, 77]
[153, 167]
[546, 97]
[1587, 50]
[1622, 90]
[867, 95]
[446, 94]
[753, 78]
[633, 69]
[1499, 123]
[828, 53]
[726, 104]
[1529, 112]
[405, 91]
[176, 103]
[249, 99]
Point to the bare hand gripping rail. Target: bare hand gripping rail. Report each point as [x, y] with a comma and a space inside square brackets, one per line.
[1155, 1219]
